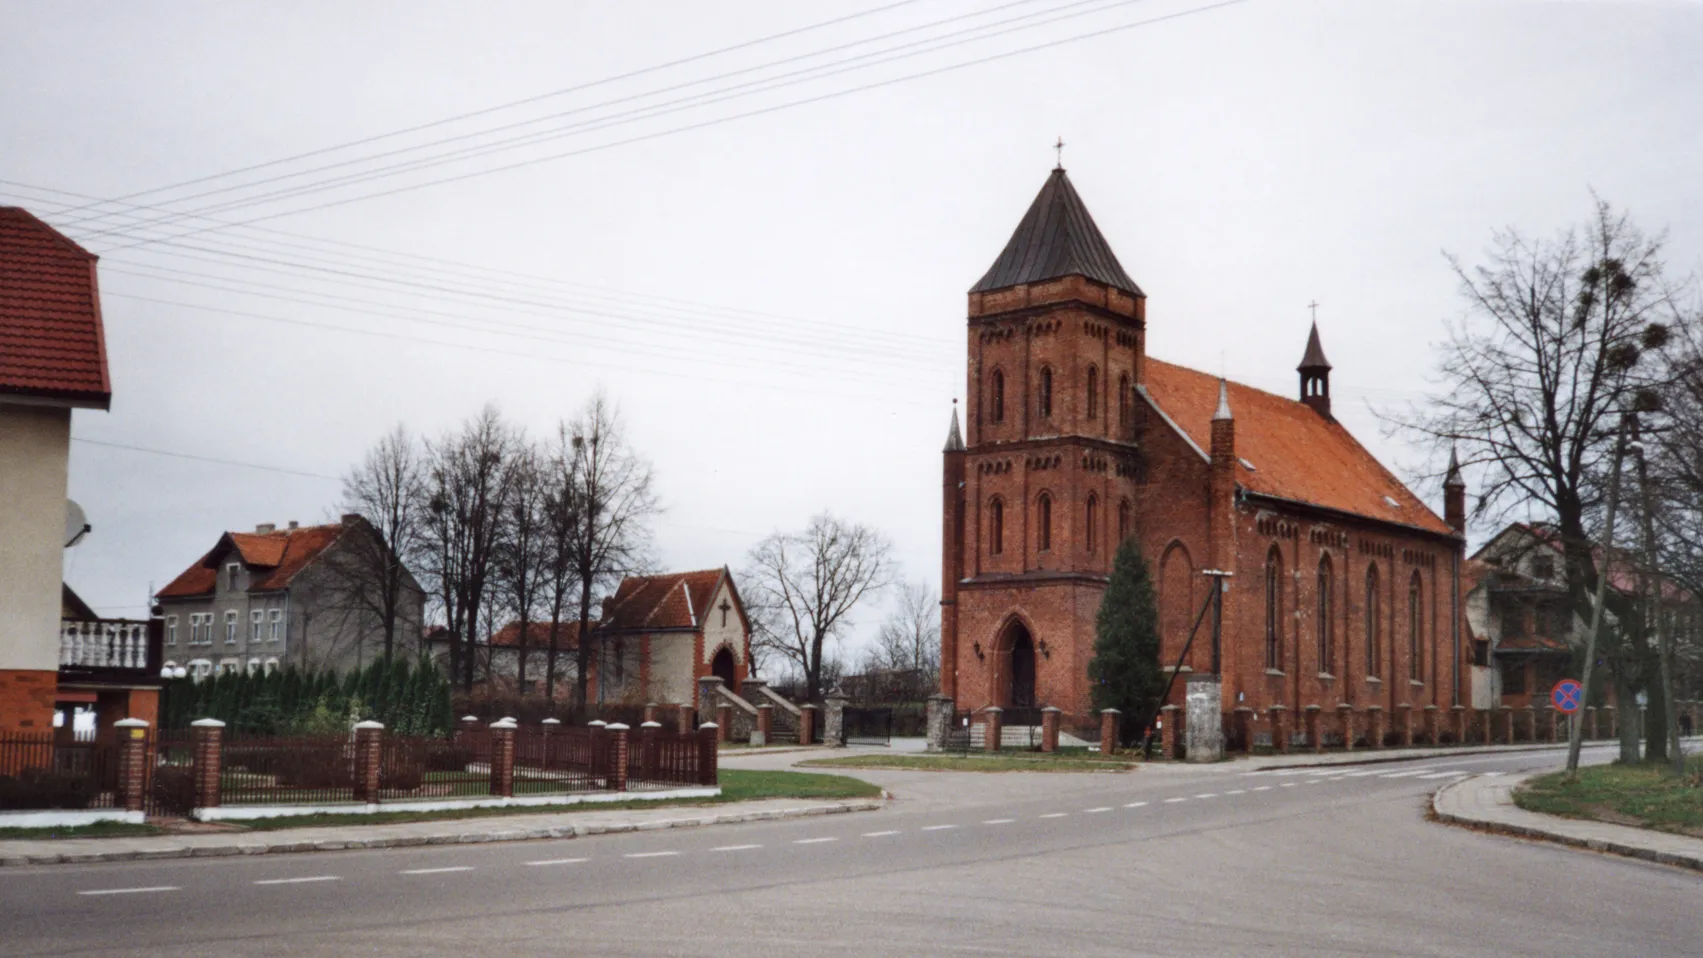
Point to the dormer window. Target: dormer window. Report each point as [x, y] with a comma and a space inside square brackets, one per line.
[231, 571]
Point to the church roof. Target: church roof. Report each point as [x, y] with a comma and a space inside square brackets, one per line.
[1315, 356]
[1056, 238]
[1287, 450]
[676, 600]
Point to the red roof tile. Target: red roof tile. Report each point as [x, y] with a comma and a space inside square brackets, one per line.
[1296, 453]
[674, 601]
[274, 557]
[51, 343]
[538, 635]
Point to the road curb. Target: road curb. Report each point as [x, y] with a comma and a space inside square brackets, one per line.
[284, 845]
[1448, 806]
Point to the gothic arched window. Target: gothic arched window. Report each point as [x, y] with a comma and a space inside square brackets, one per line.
[996, 401]
[1093, 393]
[1044, 522]
[1326, 620]
[1415, 626]
[1093, 517]
[1123, 521]
[1124, 404]
[996, 526]
[1044, 395]
[1372, 621]
[1273, 609]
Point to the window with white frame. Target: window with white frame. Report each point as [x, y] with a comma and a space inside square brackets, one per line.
[254, 619]
[230, 628]
[230, 666]
[231, 576]
[253, 666]
[171, 630]
[271, 664]
[277, 624]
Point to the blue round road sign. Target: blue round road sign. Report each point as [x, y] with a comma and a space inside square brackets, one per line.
[1567, 695]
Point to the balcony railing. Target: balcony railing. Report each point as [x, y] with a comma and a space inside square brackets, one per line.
[114, 647]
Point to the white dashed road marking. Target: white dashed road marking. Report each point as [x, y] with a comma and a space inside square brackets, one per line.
[999, 821]
[650, 855]
[1289, 784]
[297, 881]
[735, 848]
[1135, 804]
[1262, 788]
[558, 861]
[937, 828]
[130, 891]
[1103, 808]
[880, 834]
[1055, 815]
[1236, 791]
[1409, 774]
[1207, 795]
[1449, 774]
[437, 871]
[1312, 781]
[1173, 801]
[814, 841]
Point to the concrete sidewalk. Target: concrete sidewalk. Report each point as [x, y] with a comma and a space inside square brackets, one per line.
[1488, 803]
[496, 828]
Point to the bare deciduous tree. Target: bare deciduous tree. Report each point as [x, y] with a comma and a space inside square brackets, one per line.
[908, 644]
[801, 588]
[385, 490]
[521, 551]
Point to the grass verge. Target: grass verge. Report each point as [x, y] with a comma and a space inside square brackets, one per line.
[95, 830]
[1645, 795]
[1024, 762]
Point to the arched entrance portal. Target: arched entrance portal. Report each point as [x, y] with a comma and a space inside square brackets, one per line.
[722, 667]
[1020, 688]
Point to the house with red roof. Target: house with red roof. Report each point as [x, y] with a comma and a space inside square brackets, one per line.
[661, 633]
[55, 655]
[1342, 586]
[298, 595]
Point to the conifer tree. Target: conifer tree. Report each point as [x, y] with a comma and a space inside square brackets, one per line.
[1125, 671]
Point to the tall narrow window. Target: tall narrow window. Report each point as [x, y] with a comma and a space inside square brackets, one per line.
[1044, 522]
[1123, 404]
[1123, 521]
[1326, 620]
[1372, 621]
[996, 402]
[1044, 395]
[1093, 393]
[1093, 518]
[996, 526]
[171, 630]
[230, 628]
[254, 625]
[1273, 609]
[1415, 626]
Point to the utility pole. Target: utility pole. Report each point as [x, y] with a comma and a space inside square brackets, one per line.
[1653, 587]
[1574, 736]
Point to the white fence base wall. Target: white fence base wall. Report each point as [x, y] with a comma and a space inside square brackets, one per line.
[227, 813]
[67, 818]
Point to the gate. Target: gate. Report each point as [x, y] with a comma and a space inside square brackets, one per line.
[867, 726]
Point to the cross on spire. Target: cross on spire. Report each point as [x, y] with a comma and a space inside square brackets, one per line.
[1059, 147]
[1314, 306]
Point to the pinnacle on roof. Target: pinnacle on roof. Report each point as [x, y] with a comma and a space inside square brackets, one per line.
[1056, 237]
[1454, 476]
[1315, 357]
[1223, 410]
[954, 438]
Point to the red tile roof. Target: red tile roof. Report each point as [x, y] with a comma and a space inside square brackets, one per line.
[674, 601]
[51, 343]
[1296, 453]
[275, 558]
[538, 635]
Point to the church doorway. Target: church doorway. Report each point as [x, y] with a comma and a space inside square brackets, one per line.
[1021, 691]
[722, 668]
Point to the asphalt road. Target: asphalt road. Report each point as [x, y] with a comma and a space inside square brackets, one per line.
[1164, 861]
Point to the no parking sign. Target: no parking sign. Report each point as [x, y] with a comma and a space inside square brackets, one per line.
[1567, 696]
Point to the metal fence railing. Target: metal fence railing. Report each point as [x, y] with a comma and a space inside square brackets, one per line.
[38, 771]
[287, 771]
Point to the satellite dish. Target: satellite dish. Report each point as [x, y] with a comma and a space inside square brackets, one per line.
[76, 524]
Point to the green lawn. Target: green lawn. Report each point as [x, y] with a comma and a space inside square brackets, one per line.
[97, 830]
[979, 762]
[1644, 795]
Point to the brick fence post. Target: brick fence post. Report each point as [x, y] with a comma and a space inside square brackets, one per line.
[618, 756]
[992, 727]
[708, 738]
[807, 724]
[132, 763]
[1168, 731]
[1377, 725]
[1315, 734]
[1049, 728]
[1552, 733]
[548, 730]
[369, 745]
[1460, 717]
[1109, 731]
[683, 720]
[1345, 714]
[1406, 720]
[468, 724]
[502, 757]
[834, 718]
[941, 714]
[1431, 730]
[723, 720]
[1590, 731]
[1510, 725]
[651, 712]
[1531, 723]
[1281, 734]
[1245, 728]
[1487, 717]
[209, 756]
[599, 766]
[765, 725]
[648, 733]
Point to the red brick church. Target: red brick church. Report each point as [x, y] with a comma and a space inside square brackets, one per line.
[1345, 586]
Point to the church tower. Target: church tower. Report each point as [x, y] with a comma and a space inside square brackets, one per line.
[1315, 376]
[1039, 493]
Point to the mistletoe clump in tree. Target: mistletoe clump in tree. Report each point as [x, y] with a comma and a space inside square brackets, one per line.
[1125, 671]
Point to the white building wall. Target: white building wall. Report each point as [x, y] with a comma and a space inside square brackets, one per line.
[671, 668]
[716, 633]
[34, 446]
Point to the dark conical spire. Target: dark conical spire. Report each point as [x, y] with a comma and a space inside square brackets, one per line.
[1056, 238]
[1315, 357]
[954, 438]
[1453, 479]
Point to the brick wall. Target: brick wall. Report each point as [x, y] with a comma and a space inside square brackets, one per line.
[26, 699]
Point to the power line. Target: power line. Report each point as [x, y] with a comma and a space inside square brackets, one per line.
[774, 108]
[211, 459]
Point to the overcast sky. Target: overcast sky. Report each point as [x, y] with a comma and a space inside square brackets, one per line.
[776, 300]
